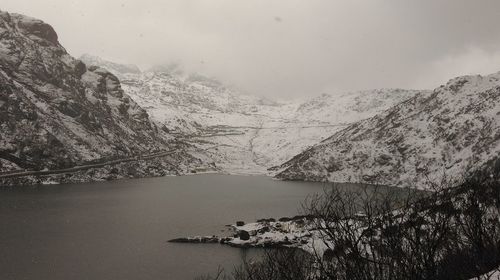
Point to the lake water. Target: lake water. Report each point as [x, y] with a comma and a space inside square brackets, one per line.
[119, 229]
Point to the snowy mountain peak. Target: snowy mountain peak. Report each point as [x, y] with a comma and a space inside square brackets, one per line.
[115, 68]
[170, 68]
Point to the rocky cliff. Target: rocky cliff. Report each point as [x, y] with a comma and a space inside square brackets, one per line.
[55, 112]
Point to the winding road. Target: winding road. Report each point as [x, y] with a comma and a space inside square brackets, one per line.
[87, 166]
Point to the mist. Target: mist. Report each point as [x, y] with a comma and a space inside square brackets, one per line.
[286, 48]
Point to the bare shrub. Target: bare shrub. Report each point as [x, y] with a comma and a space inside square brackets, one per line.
[372, 233]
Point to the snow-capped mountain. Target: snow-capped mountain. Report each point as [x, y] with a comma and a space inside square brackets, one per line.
[432, 136]
[115, 68]
[245, 134]
[56, 113]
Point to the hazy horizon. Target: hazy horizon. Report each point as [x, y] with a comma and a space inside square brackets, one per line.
[286, 48]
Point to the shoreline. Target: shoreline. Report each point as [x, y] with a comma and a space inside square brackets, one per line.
[47, 180]
[286, 232]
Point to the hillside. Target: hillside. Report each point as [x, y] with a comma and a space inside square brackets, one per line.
[56, 113]
[432, 136]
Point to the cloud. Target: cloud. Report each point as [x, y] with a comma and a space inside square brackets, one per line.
[284, 48]
[471, 61]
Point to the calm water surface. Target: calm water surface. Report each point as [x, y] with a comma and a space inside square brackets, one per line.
[119, 229]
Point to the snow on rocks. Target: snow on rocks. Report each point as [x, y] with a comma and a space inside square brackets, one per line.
[446, 132]
[266, 233]
[56, 113]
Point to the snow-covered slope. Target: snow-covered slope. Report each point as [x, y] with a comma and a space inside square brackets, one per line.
[432, 135]
[57, 113]
[115, 68]
[307, 123]
[245, 134]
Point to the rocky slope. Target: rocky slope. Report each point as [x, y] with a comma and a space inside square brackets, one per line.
[433, 136]
[244, 134]
[55, 112]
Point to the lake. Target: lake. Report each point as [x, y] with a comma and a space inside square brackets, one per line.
[119, 229]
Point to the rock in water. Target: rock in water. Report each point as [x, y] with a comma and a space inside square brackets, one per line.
[240, 223]
[244, 235]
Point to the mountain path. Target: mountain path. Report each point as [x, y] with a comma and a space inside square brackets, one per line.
[88, 166]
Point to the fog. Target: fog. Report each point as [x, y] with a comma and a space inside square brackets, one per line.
[286, 48]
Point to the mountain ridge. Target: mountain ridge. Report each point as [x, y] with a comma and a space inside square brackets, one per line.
[432, 136]
[247, 134]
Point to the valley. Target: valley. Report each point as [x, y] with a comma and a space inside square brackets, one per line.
[243, 134]
[382, 183]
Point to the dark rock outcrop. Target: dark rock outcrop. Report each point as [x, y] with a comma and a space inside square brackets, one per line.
[56, 113]
[244, 235]
[240, 223]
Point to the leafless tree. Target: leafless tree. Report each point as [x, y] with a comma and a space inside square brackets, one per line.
[372, 233]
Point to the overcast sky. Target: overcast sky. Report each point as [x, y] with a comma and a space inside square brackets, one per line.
[286, 48]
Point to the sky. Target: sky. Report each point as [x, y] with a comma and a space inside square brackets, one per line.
[286, 48]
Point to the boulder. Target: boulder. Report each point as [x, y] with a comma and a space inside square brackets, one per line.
[263, 230]
[244, 235]
[240, 223]
[37, 28]
[266, 220]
